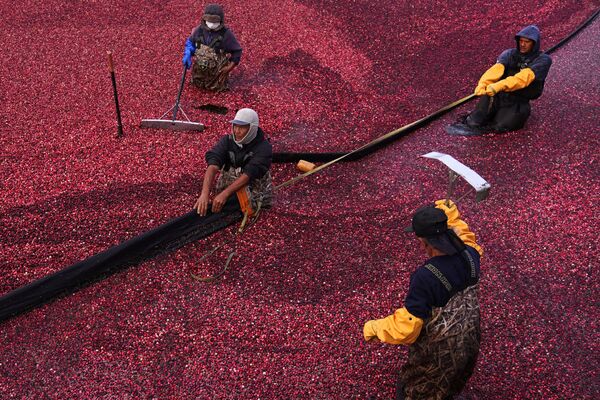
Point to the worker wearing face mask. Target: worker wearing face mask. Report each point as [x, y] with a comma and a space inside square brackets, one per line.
[215, 50]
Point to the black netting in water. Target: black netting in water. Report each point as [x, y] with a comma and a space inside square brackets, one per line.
[161, 240]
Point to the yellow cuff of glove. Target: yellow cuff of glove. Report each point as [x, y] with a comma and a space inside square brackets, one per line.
[520, 80]
[493, 74]
[459, 226]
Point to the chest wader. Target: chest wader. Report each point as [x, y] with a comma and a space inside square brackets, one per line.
[254, 196]
[443, 358]
[208, 62]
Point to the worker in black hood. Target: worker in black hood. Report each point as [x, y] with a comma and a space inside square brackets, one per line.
[507, 87]
[215, 49]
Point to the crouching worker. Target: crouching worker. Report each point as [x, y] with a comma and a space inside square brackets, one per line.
[440, 317]
[215, 49]
[243, 159]
[507, 87]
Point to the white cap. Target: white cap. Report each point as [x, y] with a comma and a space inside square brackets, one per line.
[245, 116]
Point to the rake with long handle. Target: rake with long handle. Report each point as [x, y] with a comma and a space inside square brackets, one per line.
[174, 124]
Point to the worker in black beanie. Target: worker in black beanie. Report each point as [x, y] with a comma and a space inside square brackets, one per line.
[440, 318]
[215, 51]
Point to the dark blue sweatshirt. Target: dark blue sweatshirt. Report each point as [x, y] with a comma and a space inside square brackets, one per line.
[427, 290]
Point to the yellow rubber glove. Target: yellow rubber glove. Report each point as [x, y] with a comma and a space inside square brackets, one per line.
[493, 74]
[399, 328]
[458, 225]
[520, 80]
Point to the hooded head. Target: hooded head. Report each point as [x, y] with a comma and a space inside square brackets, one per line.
[245, 118]
[530, 32]
[213, 17]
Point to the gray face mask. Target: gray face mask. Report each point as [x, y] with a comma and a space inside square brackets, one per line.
[249, 136]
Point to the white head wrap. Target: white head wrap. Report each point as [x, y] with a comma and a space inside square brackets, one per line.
[246, 116]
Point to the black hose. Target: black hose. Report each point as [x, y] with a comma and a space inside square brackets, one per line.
[571, 35]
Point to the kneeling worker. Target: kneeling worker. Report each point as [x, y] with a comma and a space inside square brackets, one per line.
[244, 159]
[440, 317]
[215, 49]
[507, 87]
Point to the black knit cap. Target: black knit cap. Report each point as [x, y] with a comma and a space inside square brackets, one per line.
[432, 224]
[211, 11]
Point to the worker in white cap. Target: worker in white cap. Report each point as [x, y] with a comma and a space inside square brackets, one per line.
[243, 159]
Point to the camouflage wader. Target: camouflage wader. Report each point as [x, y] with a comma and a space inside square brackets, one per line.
[261, 190]
[208, 63]
[443, 358]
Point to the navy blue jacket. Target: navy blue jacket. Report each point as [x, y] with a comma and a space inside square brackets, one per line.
[228, 43]
[253, 158]
[537, 61]
[427, 290]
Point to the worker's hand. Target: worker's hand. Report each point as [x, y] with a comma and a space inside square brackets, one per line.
[188, 52]
[450, 209]
[369, 332]
[187, 60]
[492, 89]
[219, 202]
[201, 205]
[480, 90]
[443, 203]
[224, 73]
